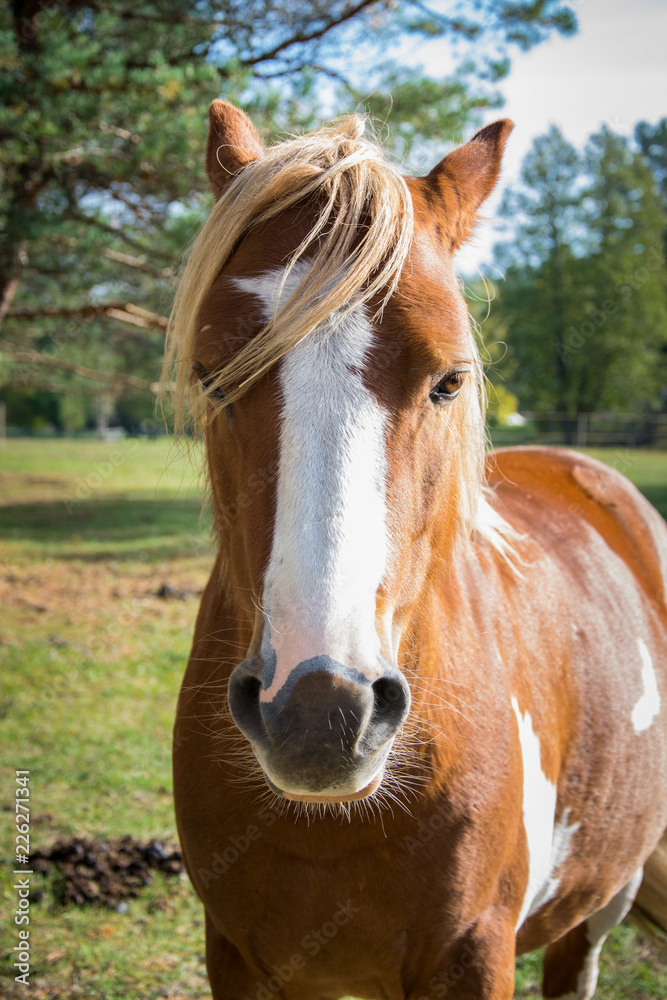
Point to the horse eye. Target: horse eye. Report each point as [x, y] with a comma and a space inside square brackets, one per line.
[205, 380]
[448, 387]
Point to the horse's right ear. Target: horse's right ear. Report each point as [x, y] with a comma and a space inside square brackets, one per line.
[233, 143]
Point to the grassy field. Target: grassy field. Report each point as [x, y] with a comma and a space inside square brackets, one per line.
[91, 663]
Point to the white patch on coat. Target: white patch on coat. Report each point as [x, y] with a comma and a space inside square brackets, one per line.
[560, 849]
[330, 548]
[598, 926]
[648, 705]
[539, 809]
[548, 842]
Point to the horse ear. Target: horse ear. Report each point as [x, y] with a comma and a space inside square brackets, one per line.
[233, 143]
[467, 176]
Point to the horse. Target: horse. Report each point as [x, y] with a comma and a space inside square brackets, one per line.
[423, 725]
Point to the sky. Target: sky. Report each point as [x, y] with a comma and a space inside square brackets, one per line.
[614, 72]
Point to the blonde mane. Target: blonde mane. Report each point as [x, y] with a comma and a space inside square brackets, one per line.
[356, 250]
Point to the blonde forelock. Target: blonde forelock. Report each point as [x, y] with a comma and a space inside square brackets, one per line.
[355, 250]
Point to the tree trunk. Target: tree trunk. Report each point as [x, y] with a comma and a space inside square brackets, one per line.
[103, 412]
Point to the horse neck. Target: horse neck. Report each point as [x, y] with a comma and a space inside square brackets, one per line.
[448, 658]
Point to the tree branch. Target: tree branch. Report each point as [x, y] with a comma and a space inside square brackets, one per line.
[47, 385]
[137, 316]
[58, 312]
[126, 312]
[88, 220]
[140, 263]
[15, 353]
[333, 75]
[300, 37]
[10, 289]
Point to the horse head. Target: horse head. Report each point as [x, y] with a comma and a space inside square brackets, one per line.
[331, 361]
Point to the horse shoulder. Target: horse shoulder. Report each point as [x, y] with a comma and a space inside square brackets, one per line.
[579, 518]
[566, 487]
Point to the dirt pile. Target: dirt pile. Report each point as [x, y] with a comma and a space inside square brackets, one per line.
[103, 872]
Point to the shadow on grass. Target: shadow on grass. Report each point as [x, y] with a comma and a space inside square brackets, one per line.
[110, 527]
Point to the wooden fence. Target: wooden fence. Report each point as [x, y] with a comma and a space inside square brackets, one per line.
[587, 430]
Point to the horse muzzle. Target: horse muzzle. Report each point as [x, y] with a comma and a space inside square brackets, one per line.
[326, 733]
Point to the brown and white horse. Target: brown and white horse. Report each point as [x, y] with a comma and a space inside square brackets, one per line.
[424, 723]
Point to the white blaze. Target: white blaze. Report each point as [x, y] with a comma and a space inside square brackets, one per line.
[329, 549]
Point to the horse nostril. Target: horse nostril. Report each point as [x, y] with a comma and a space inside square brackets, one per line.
[390, 697]
[243, 698]
[249, 689]
[391, 702]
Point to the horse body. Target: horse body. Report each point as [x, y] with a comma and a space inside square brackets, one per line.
[454, 697]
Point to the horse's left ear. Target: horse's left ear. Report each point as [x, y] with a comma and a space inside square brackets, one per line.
[467, 176]
[233, 143]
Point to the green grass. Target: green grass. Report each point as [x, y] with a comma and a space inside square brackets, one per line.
[91, 664]
[646, 469]
[83, 499]
[632, 967]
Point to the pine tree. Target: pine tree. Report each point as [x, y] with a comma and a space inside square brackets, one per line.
[103, 123]
[617, 344]
[652, 140]
[536, 297]
[583, 300]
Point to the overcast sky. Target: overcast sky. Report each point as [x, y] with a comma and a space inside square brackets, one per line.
[613, 71]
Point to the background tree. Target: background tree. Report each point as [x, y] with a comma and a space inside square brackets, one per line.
[537, 300]
[622, 283]
[102, 123]
[652, 140]
[582, 304]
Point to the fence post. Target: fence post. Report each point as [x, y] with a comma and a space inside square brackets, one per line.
[582, 430]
